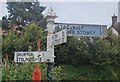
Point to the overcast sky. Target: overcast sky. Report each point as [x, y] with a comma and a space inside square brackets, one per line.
[78, 12]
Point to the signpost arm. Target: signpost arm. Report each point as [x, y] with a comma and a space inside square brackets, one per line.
[50, 21]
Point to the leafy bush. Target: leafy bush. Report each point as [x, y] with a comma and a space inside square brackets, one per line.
[88, 72]
[20, 42]
[22, 71]
[89, 50]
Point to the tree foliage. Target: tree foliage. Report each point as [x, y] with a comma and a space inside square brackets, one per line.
[5, 22]
[89, 50]
[87, 72]
[14, 41]
[96, 54]
[22, 71]
[23, 13]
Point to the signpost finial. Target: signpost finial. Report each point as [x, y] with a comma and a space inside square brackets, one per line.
[50, 14]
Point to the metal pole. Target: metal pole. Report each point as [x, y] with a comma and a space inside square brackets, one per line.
[49, 70]
[50, 21]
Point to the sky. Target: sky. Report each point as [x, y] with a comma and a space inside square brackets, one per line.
[73, 11]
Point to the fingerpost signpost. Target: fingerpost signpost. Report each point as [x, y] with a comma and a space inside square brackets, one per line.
[57, 34]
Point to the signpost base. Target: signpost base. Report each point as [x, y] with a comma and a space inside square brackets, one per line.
[49, 70]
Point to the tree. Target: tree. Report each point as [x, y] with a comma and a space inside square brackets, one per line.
[98, 52]
[23, 13]
[73, 52]
[15, 42]
[5, 22]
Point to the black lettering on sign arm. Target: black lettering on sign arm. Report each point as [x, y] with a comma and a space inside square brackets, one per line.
[17, 59]
[94, 33]
[73, 32]
[21, 59]
[18, 54]
[32, 59]
[40, 59]
[26, 59]
[78, 32]
[63, 36]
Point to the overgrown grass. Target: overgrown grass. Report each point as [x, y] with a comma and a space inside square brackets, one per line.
[1, 67]
[24, 71]
[0, 73]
